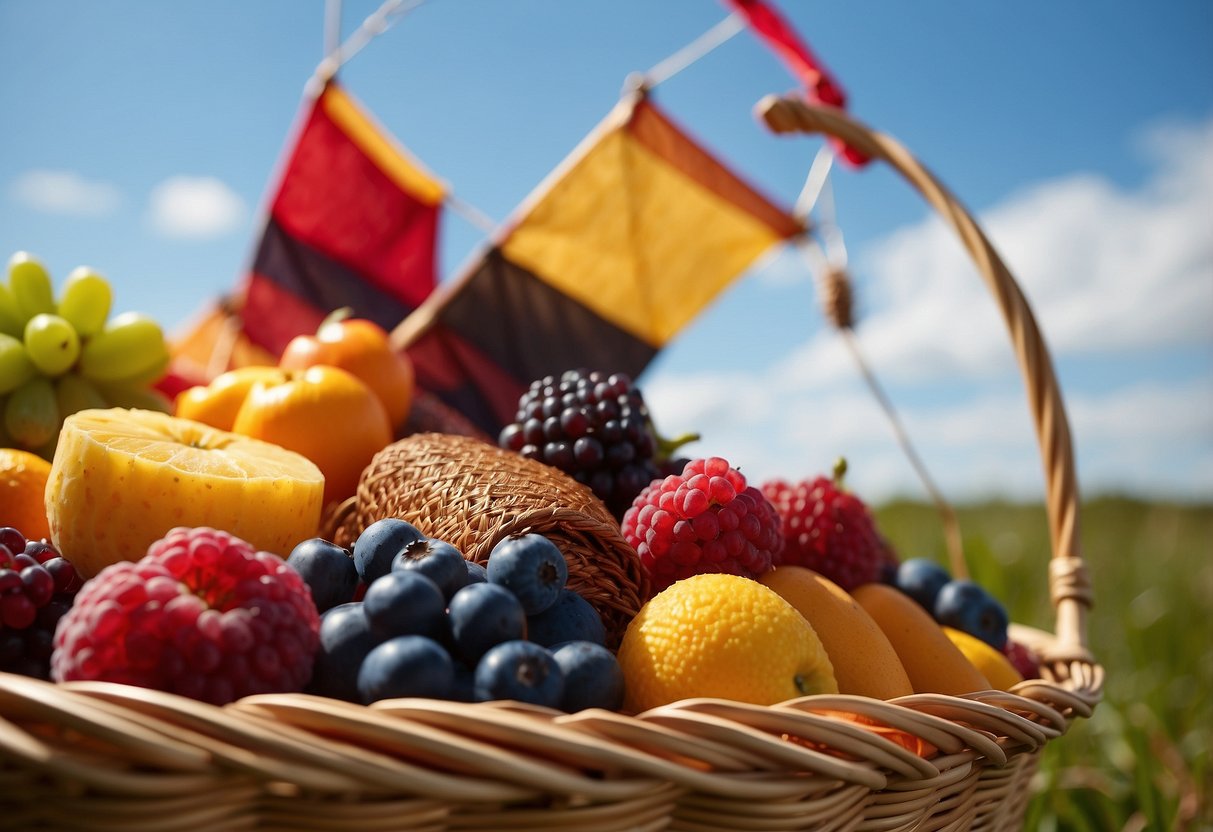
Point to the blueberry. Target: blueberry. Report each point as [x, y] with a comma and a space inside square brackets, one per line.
[592, 676]
[921, 579]
[484, 615]
[379, 543]
[571, 618]
[327, 569]
[477, 574]
[531, 567]
[437, 560]
[406, 666]
[520, 670]
[404, 603]
[967, 606]
[345, 639]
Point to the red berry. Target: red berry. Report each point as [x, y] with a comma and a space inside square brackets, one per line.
[1023, 660]
[705, 519]
[203, 614]
[828, 530]
[12, 539]
[38, 585]
[16, 611]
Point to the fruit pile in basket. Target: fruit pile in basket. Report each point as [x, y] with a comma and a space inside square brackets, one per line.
[185, 551]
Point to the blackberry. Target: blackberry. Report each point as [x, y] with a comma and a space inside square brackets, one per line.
[594, 427]
[37, 587]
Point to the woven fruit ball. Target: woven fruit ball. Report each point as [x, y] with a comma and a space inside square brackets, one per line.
[473, 494]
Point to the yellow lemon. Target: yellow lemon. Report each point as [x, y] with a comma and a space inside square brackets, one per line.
[721, 636]
[123, 478]
[996, 667]
[22, 485]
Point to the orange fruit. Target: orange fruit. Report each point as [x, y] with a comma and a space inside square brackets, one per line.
[864, 661]
[217, 403]
[324, 413]
[362, 348]
[23, 477]
[121, 479]
[933, 663]
[722, 636]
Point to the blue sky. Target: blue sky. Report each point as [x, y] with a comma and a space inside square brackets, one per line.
[141, 137]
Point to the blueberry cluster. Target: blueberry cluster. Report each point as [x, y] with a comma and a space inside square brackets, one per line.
[37, 586]
[432, 624]
[591, 425]
[961, 604]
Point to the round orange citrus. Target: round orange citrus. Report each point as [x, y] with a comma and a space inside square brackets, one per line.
[324, 413]
[722, 636]
[23, 492]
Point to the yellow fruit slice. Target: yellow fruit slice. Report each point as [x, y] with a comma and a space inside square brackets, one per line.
[864, 661]
[721, 636]
[996, 667]
[122, 478]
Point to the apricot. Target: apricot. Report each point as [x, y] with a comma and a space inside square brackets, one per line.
[865, 663]
[933, 663]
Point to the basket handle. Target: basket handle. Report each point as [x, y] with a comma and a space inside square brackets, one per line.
[1069, 584]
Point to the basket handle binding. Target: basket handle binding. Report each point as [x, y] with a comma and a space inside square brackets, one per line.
[1069, 583]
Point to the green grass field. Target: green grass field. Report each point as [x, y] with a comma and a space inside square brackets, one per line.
[1143, 761]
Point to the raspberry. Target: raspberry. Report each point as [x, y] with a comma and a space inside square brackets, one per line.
[203, 615]
[594, 427]
[1023, 660]
[705, 519]
[829, 530]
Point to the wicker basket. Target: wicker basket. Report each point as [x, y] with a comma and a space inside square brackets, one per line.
[472, 494]
[111, 757]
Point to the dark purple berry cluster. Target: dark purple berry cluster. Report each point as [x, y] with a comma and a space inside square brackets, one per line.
[591, 425]
[37, 587]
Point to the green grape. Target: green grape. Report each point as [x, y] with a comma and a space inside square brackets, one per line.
[149, 375]
[6, 441]
[74, 394]
[12, 322]
[15, 366]
[127, 347]
[85, 301]
[52, 344]
[31, 285]
[138, 398]
[31, 414]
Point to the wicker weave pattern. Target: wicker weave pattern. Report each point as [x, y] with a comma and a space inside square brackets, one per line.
[473, 495]
[103, 756]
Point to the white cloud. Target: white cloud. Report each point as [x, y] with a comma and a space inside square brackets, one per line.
[1110, 272]
[198, 207]
[65, 192]
[1103, 268]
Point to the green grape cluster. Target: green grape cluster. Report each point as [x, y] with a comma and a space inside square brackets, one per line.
[61, 356]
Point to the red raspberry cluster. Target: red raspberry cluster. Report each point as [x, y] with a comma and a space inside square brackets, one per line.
[829, 530]
[706, 519]
[203, 614]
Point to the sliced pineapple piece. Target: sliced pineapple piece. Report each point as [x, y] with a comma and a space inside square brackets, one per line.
[122, 478]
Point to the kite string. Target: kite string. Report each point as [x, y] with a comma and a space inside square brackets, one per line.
[376, 23]
[826, 254]
[338, 53]
[693, 51]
